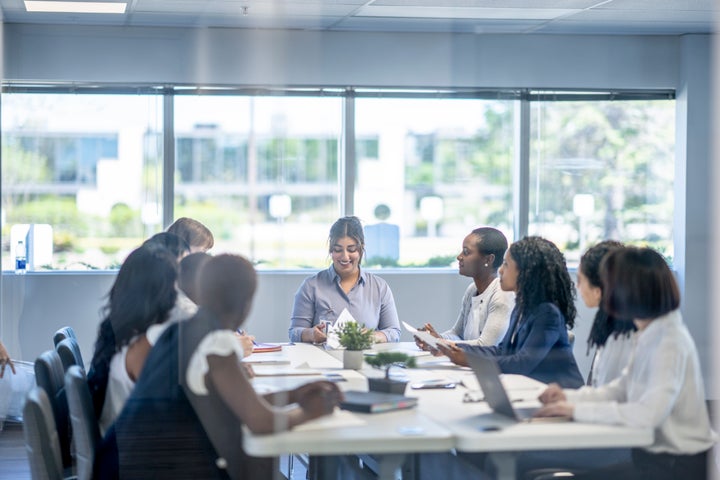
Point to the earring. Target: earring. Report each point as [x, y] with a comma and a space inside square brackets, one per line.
[486, 264]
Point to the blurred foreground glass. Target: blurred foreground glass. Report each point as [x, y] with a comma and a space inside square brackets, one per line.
[87, 165]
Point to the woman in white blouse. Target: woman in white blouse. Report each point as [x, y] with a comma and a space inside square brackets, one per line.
[661, 388]
[485, 308]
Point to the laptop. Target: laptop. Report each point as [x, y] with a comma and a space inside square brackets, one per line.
[488, 374]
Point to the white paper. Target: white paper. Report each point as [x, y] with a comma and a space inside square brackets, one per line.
[333, 333]
[422, 335]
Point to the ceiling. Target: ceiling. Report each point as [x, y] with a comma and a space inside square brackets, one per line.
[615, 17]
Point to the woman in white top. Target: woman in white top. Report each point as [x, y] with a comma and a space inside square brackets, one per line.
[661, 388]
[485, 309]
[143, 295]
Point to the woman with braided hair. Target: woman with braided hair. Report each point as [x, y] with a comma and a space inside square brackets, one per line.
[536, 343]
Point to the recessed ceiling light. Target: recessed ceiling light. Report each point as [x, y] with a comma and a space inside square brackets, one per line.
[75, 7]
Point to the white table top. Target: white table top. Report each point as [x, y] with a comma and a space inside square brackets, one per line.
[440, 422]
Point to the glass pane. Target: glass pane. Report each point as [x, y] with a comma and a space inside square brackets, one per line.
[261, 173]
[435, 168]
[602, 170]
[85, 172]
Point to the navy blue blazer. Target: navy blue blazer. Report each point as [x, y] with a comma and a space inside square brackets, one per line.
[541, 349]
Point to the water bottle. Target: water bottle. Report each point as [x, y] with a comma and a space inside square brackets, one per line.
[20, 258]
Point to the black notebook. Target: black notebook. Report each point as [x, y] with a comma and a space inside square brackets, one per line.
[376, 402]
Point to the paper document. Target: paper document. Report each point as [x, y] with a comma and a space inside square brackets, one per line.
[422, 335]
[333, 333]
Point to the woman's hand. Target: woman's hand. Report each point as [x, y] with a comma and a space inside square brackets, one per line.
[429, 329]
[379, 337]
[317, 398]
[247, 342]
[5, 361]
[553, 393]
[556, 409]
[454, 353]
[424, 346]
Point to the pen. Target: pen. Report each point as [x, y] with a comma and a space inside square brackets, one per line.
[242, 332]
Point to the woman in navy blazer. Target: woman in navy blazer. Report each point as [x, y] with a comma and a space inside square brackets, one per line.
[536, 343]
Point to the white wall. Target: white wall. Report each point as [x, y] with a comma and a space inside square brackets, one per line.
[37, 304]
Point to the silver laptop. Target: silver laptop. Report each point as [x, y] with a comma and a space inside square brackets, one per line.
[488, 375]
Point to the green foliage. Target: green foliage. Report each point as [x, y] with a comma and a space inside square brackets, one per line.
[390, 359]
[354, 336]
[125, 221]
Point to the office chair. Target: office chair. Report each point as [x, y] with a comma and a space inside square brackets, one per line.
[69, 352]
[63, 333]
[41, 437]
[50, 375]
[86, 432]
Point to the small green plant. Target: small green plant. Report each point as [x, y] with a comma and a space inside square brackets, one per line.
[390, 359]
[354, 336]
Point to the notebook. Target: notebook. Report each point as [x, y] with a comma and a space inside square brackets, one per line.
[488, 375]
[376, 402]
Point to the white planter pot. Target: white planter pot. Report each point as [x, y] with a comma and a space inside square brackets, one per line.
[352, 359]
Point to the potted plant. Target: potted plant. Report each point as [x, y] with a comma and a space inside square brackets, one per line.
[388, 360]
[355, 338]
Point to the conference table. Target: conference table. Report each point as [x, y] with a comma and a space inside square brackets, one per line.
[443, 421]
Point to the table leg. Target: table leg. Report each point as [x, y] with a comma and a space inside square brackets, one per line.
[505, 464]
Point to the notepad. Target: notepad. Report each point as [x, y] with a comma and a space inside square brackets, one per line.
[266, 347]
[376, 402]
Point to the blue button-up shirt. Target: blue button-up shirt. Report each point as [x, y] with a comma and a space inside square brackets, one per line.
[320, 298]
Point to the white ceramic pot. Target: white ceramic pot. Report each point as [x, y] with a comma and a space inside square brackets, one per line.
[352, 359]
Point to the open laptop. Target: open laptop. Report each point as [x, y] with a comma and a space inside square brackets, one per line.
[488, 375]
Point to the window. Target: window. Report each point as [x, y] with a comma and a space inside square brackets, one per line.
[261, 173]
[89, 166]
[602, 170]
[267, 172]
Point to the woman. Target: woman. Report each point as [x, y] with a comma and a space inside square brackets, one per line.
[661, 388]
[612, 337]
[143, 295]
[536, 343]
[322, 297]
[185, 417]
[485, 308]
[198, 237]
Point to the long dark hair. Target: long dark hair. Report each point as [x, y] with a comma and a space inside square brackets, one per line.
[543, 277]
[143, 294]
[603, 324]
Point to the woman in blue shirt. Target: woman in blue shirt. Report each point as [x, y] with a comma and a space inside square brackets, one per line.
[322, 297]
[536, 343]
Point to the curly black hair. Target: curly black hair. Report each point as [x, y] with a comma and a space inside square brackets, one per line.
[543, 277]
[603, 324]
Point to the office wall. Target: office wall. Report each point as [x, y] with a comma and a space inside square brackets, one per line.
[296, 58]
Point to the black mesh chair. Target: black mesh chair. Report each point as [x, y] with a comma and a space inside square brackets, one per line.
[69, 352]
[86, 432]
[41, 437]
[50, 375]
[63, 333]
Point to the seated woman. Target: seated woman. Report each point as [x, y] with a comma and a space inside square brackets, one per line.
[185, 416]
[198, 237]
[485, 309]
[661, 388]
[322, 297]
[612, 337]
[536, 343]
[143, 295]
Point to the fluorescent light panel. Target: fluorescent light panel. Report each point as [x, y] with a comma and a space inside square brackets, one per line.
[472, 13]
[75, 7]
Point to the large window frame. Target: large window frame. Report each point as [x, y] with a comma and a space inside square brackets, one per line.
[347, 167]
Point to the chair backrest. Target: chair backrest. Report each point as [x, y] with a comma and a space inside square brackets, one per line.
[41, 437]
[63, 333]
[84, 423]
[69, 352]
[50, 375]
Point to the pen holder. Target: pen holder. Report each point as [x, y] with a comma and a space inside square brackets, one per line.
[386, 385]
